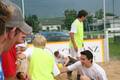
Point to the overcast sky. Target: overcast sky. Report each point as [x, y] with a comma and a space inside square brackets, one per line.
[55, 8]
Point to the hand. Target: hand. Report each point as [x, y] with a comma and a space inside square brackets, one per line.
[84, 77]
[76, 48]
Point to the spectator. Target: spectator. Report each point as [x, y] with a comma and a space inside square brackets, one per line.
[22, 62]
[18, 30]
[65, 60]
[41, 62]
[76, 34]
[5, 15]
[87, 68]
[60, 58]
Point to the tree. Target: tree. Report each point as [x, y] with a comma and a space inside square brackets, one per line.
[33, 21]
[110, 14]
[99, 14]
[90, 18]
[70, 16]
[88, 22]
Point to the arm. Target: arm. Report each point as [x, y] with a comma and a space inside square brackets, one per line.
[84, 77]
[56, 71]
[73, 41]
[71, 67]
[102, 76]
[65, 69]
[66, 61]
[58, 77]
[72, 32]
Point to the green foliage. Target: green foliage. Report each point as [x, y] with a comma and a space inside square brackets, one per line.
[116, 39]
[90, 18]
[33, 21]
[87, 22]
[99, 14]
[70, 16]
[110, 14]
[114, 49]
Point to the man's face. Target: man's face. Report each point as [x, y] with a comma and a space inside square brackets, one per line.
[59, 55]
[84, 60]
[20, 49]
[83, 18]
[21, 37]
[15, 36]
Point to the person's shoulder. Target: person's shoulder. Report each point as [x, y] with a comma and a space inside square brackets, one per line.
[28, 51]
[11, 50]
[48, 51]
[74, 21]
[98, 67]
[49, 55]
[100, 71]
[95, 65]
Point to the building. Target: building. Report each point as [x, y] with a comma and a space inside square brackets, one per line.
[53, 24]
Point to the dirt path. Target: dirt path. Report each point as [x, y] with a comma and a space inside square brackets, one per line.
[112, 69]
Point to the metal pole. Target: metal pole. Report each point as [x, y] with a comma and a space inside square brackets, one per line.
[106, 34]
[113, 12]
[23, 8]
[104, 15]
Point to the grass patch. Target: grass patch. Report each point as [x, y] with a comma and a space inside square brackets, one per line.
[114, 49]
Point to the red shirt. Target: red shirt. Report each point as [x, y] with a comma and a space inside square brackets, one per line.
[8, 62]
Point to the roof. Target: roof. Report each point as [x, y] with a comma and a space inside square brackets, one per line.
[52, 21]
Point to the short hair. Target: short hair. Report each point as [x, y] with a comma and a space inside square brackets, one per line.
[39, 41]
[82, 13]
[56, 53]
[88, 54]
[2, 27]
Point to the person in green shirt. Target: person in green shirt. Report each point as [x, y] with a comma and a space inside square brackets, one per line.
[76, 34]
[41, 62]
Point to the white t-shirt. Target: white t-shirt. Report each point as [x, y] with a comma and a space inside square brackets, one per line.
[28, 53]
[94, 72]
[73, 28]
[61, 59]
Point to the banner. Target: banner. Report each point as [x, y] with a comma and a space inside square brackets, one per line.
[96, 46]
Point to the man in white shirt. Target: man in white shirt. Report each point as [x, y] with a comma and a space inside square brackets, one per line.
[60, 58]
[87, 69]
[65, 60]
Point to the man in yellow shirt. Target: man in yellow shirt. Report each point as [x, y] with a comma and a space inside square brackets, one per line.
[77, 34]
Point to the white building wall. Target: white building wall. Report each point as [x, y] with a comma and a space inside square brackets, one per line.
[51, 27]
